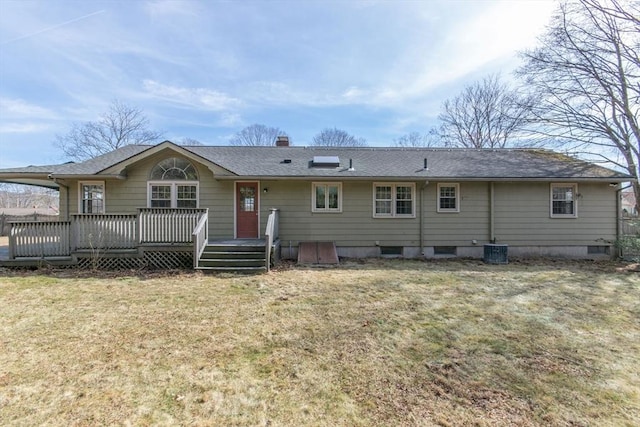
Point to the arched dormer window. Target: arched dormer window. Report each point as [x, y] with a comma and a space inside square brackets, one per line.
[173, 183]
[174, 169]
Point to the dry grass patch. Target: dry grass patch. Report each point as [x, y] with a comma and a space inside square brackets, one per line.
[373, 343]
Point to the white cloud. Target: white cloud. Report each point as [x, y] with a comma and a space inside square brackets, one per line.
[23, 127]
[200, 98]
[19, 109]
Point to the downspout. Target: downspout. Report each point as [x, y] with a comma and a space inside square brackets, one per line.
[619, 216]
[492, 208]
[421, 213]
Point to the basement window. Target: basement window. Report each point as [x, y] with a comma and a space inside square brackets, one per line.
[391, 250]
[444, 250]
[598, 250]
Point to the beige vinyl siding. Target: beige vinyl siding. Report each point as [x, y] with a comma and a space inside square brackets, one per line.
[523, 215]
[522, 211]
[126, 196]
[354, 226]
[457, 228]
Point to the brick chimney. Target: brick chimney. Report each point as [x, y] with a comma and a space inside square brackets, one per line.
[282, 141]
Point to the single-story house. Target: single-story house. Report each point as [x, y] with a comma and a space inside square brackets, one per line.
[152, 201]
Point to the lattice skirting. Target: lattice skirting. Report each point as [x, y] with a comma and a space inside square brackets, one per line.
[151, 259]
[168, 259]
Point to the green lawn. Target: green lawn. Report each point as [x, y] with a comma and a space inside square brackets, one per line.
[372, 343]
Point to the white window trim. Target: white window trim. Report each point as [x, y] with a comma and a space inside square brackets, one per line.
[575, 199]
[393, 186]
[81, 195]
[448, 184]
[174, 191]
[314, 209]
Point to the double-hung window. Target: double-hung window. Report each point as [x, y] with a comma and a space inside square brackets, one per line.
[448, 197]
[563, 201]
[91, 197]
[326, 197]
[173, 184]
[394, 200]
[173, 195]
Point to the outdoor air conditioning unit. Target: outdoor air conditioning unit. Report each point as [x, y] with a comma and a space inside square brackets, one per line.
[496, 254]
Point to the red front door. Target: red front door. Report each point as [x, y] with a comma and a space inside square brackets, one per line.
[247, 210]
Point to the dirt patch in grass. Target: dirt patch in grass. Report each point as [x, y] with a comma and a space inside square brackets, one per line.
[375, 342]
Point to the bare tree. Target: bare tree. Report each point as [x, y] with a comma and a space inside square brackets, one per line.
[329, 137]
[256, 135]
[189, 141]
[27, 197]
[417, 139]
[487, 114]
[587, 71]
[121, 125]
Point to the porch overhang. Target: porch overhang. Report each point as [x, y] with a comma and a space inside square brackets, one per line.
[49, 180]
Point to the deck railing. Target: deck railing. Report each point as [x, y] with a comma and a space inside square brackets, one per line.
[39, 239]
[168, 225]
[104, 231]
[200, 238]
[271, 234]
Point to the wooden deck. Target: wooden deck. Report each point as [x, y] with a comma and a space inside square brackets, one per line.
[154, 238]
[72, 259]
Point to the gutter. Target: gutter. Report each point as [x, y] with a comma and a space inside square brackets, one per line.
[87, 176]
[381, 178]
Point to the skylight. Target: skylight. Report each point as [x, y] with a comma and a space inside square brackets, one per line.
[326, 161]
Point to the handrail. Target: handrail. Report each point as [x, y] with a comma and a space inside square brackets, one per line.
[271, 233]
[103, 231]
[167, 225]
[200, 237]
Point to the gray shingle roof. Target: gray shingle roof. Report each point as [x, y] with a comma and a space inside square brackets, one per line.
[374, 163]
[404, 163]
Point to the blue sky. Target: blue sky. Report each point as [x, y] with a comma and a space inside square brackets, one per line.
[206, 69]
